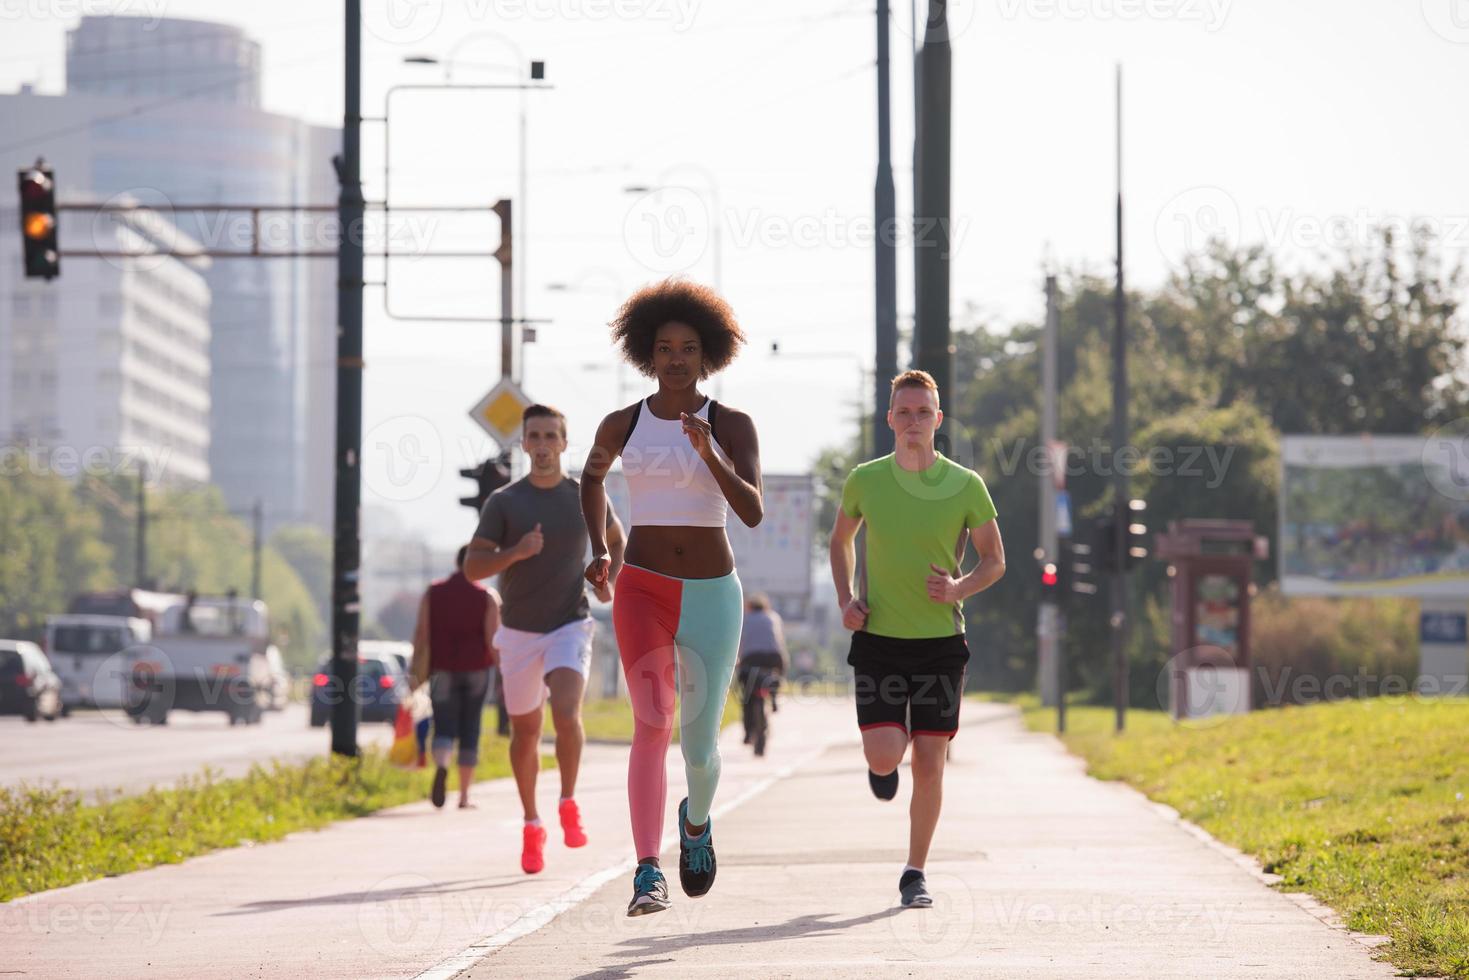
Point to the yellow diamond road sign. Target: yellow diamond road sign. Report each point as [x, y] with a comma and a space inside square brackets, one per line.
[498, 413]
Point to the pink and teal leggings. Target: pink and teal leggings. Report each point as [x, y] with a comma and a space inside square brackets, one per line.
[674, 634]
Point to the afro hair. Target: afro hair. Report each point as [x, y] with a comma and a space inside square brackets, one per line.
[635, 327]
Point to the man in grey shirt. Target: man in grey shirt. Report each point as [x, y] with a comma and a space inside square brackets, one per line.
[531, 533]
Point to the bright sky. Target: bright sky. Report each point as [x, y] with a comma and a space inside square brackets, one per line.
[1301, 124]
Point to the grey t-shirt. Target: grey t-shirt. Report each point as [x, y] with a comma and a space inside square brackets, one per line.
[547, 590]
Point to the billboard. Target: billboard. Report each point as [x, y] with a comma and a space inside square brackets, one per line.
[1374, 515]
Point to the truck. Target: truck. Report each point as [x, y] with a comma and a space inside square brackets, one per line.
[208, 653]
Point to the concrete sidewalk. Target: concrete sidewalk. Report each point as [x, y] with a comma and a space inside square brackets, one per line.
[1038, 871]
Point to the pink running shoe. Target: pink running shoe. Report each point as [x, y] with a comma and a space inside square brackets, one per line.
[533, 850]
[571, 824]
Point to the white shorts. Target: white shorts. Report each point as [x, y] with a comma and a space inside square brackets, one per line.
[526, 658]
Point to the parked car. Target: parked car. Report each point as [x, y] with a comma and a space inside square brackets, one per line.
[28, 685]
[381, 686]
[398, 649]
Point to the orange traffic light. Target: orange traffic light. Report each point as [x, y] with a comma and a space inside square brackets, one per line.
[38, 222]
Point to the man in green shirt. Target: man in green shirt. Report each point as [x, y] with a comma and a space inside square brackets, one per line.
[908, 650]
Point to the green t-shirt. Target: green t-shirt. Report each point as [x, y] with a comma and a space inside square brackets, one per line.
[913, 519]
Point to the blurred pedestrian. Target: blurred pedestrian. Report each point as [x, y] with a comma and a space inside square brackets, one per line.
[453, 648]
[762, 652]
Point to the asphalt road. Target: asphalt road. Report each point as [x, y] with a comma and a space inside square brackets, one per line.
[104, 751]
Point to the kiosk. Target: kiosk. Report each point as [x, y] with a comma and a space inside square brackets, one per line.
[1209, 568]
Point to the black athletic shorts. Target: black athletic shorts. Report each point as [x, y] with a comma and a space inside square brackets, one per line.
[915, 685]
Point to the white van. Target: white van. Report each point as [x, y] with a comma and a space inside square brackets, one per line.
[92, 654]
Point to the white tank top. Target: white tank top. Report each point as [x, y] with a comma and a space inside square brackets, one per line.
[669, 485]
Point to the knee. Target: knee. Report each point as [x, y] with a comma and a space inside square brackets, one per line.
[701, 759]
[928, 761]
[566, 718]
[884, 755]
[525, 728]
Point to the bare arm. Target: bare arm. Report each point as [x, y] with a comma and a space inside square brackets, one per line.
[486, 558]
[991, 565]
[843, 550]
[739, 477]
[605, 450]
[617, 542]
[943, 587]
[492, 624]
[418, 668]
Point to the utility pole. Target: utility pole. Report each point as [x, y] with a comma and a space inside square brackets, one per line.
[931, 211]
[885, 207]
[346, 548]
[1048, 627]
[140, 570]
[1121, 514]
[507, 291]
[257, 520]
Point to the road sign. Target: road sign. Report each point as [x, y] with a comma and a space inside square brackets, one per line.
[499, 412]
[1063, 513]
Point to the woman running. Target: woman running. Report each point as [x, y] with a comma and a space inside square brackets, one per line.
[678, 605]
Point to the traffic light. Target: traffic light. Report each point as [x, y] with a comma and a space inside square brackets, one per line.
[1076, 565]
[1137, 531]
[38, 222]
[1050, 582]
[1136, 548]
[489, 476]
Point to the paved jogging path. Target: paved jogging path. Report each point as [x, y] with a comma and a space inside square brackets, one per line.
[1038, 871]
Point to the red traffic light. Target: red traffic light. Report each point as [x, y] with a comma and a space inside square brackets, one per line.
[1048, 575]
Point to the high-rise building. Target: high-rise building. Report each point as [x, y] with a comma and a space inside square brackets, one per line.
[168, 112]
[111, 372]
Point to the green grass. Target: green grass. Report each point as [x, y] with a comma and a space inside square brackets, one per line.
[1363, 804]
[50, 838]
[610, 719]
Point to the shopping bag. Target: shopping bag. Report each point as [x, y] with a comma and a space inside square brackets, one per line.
[404, 751]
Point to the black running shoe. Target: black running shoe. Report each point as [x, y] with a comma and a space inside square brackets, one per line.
[441, 783]
[696, 865]
[649, 891]
[913, 891]
[883, 787]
